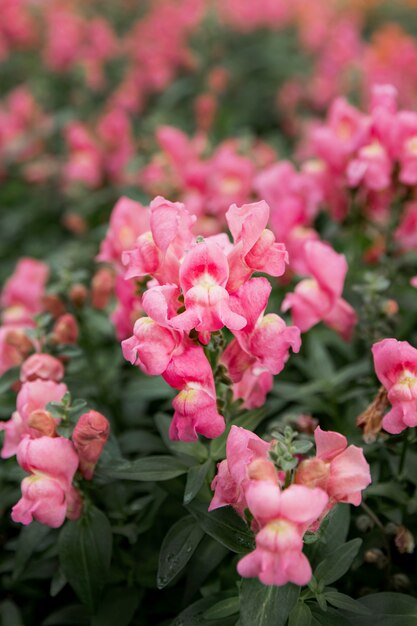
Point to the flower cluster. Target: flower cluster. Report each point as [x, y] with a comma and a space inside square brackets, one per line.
[396, 368]
[198, 287]
[281, 513]
[33, 431]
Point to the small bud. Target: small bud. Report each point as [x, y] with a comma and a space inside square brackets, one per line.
[19, 345]
[390, 307]
[65, 330]
[43, 422]
[364, 523]
[404, 540]
[312, 472]
[306, 424]
[262, 469]
[43, 366]
[102, 288]
[75, 223]
[400, 582]
[78, 295]
[375, 556]
[89, 437]
[53, 304]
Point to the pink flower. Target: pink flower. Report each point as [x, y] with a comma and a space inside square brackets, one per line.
[406, 146]
[37, 394]
[128, 309]
[285, 515]
[65, 329]
[32, 397]
[340, 470]
[319, 298]
[154, 341]
[372, 167]
[42, 366]
[23, 291]
[14, 346]
[128, 220]
[396, 367]
[406, 233]
[195, 405]
[266, 338]
[242, 448]
[344, 133]
[255, 249]
[203, 277]
[47, 494]
[159, 251]
[89, 438]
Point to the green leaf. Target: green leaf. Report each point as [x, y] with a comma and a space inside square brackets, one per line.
[224, 608]
[331, 617]
[266, 605]
[388, 609]
[300, 615]
[193, 615]
[337, 564]
[9, 377]
[151, 468]
[117, 607]
[177, 549]
[195, 480]
[73, 615]
[28, 543]
[342, 601]
[10, 614]
[224, 525]
[85, 548]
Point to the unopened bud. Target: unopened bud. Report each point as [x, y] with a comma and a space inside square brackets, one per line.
[89, 437]
[43, 422]
[78, 294]
[404, 540]
[312, 472]
[43, 366]
[306, 424]
[53, 304]
[375, 556]
[262, 469]
[102, 287]
[75, 223]
[65, 330]
[390, 307]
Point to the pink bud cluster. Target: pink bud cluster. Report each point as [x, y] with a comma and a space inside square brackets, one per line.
[198, 287]
[249, 481]
[32, 432]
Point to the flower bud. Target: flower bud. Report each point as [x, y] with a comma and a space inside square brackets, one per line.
[53, 305]
[404, 540]
[262, 469]
[42, 366]
[78, 294]
[65, 329]
[89, 437]
[102, 288]
[306, 424]
[312, 473]
[75, 223]
[43, 422]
